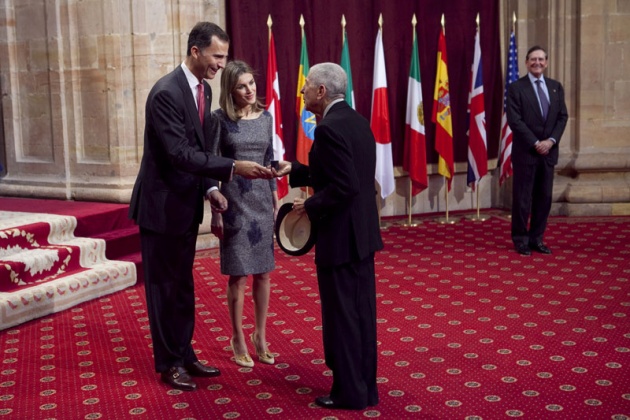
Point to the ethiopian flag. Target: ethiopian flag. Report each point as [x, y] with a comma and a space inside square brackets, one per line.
[306, 124]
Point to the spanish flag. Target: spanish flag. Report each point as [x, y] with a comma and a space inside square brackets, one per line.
[442, 114]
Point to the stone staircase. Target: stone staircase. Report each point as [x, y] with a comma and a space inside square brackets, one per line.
[56, 254]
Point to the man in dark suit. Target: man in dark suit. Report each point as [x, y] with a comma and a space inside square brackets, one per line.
[537, 115]
[342, 163]
[167, 199]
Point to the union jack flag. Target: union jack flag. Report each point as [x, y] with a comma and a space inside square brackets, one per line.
[477, 145]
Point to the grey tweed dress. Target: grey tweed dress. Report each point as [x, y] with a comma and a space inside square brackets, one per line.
[247, 244]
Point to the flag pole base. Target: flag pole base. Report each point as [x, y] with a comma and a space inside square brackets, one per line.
[478, 217]
[447, 220]
[385, 225]
[412, 224]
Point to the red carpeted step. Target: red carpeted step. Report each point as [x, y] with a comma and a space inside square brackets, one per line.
[103, 219]
[120, 242]
[55, 254]
[135, 258]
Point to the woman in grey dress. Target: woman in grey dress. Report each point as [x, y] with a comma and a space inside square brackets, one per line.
[245, 230]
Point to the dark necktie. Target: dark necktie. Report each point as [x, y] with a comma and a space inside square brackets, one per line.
[201, 101]
[544, 102]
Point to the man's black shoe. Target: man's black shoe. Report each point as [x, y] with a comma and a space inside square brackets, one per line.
[540, 247]
[178, 378]
[522, 249]
[198, 369]
[326, 402]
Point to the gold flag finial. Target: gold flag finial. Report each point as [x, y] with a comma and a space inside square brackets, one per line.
[343, 21]
[269, 22]
[442, 21]
[477, 20]
[302, 21]
[414, 20]
[513, 21]
[380, 21]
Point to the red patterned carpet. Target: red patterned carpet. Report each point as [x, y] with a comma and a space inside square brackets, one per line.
[468, 329]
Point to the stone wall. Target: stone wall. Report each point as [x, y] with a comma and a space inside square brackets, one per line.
[74, 76]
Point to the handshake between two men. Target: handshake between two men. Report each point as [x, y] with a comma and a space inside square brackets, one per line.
[249, 170]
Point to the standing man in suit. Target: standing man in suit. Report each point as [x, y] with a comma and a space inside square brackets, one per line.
[343, 210]
[537, 115]
[167, 199]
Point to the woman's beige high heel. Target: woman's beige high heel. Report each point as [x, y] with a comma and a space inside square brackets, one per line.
[243, 360]
[263, 355]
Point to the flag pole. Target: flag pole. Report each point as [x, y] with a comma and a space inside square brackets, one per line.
[380, 197]
[478, 217]
[410, 223]
[445, 220]
[302, 23]
[509, 216]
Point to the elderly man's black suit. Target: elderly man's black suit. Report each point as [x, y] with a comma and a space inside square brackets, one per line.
[167, 204]
[533, 172]
[343, 209]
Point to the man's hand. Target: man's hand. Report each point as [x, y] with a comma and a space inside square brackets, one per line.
[216, 226]
[218, 203]
[543, 147]
[298, 205]
[251, 170]
[284, 168]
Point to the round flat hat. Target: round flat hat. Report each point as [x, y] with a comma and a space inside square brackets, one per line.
[293, 232]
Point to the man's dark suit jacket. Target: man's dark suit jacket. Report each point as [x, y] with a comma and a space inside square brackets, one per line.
[174, 175]
[341, 172]
[528, 126]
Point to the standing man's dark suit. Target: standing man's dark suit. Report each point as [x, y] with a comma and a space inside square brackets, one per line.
[167, 200]
[534, 150]
[343, 209]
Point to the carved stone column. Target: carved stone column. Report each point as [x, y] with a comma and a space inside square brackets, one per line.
[597, 171]
[587, 43]
[74, 77]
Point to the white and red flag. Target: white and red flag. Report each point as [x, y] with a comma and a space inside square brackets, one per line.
[273, 107]
[379, 122]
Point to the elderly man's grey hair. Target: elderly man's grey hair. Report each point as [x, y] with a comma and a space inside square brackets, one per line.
[330, 75]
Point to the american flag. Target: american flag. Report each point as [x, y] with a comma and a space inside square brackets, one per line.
[505, 151]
